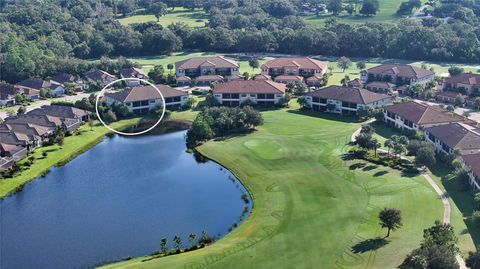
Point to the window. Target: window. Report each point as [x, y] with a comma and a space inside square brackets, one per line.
[323, 101]
[261, 96]
[316, 100]
[270, 96]
[235, 96]
[244, 95]
[226, 95]
[152, 101]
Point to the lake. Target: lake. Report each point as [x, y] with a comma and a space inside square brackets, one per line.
[116, 200]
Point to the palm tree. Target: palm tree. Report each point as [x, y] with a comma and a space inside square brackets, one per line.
[163, 245]
[178, 241]
[389, 144]
[192, 238]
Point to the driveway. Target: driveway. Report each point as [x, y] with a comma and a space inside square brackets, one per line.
[39, 103]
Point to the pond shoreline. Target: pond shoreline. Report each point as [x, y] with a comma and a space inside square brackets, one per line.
[52, 185]
[167, 126]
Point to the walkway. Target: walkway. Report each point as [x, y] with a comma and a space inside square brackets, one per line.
[443, 196]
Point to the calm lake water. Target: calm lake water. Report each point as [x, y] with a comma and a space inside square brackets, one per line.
[117, 200]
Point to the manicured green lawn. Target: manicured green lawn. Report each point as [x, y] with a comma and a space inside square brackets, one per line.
[196, 18]
[148, 62]
[461, 201]
[335, 78]
[353, 72]
[73, 145]
[312, 208]
[387, 13]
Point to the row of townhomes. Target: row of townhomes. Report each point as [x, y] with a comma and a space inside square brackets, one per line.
[22, 133]
[466, 85]
[142, 99]
[56, 86]
[450, 133]
[208, 70]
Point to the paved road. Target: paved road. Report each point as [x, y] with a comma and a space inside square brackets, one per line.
[39, 103]
[443, 196]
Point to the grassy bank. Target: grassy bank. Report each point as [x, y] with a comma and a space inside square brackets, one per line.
[461, 201]
[56, 155]
[312, 206]
[196, 18]
[387, 13]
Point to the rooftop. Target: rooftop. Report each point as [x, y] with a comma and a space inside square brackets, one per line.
[197, 62]
[473, 160]
[464, 78]
[300, 62]
[402, 70]
[250, 86]
[143, 93]
[349, 94]
[424, 114]
[456, 135]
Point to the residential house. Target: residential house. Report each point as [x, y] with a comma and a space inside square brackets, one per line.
[356, 83]
[133, 72]
[449, 97]
[6, 163]
[291, 69]
[398, 74]
[62, 112]
[468, 83]
[285, 79]
[99, 77]
[201, 66]
[416, 116]
[142, 99]
[7, 94]
[14, 152]
[207, 80]
[36, 134]
[262, 77]
[54, 88]
[345, 100]
[448, 138]
[472, 161]
[43, 120]
[380, 86]
[65, 78]
[260, 92]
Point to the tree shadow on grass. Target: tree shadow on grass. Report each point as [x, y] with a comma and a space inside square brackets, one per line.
[380, 173]
[357, 166]
[370, 167]
[369, 245]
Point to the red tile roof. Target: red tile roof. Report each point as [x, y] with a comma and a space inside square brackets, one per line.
[403, 70]
[349, 94]
[196, 62]
[143, 93]
[209, 78]
[456, 135]
[250, 86]
[381, 84]
[465, 78]
[300, 62]
[473, 160]
[132, 72]
[424, 114]
[262, 77]
[288, 78]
